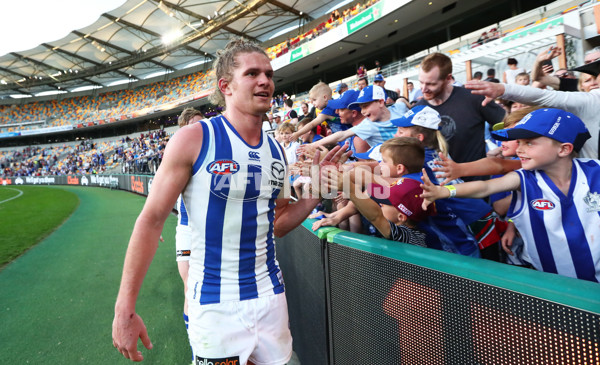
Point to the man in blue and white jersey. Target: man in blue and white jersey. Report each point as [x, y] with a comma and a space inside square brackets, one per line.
[232, 176]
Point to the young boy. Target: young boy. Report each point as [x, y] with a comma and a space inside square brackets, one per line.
[522, 79]
[320, 95]
[376, 128]
[400, 212]
[446, 230]
[557, 203]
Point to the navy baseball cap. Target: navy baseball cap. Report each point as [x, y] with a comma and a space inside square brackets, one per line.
[373, 153]
[345, 101]
[557, 124]
[419, 115]
[378, 77]
[404, 195]
[369, 94]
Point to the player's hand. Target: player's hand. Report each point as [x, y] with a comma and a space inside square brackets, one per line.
[125, 333]
[490, 90]
[449, 169]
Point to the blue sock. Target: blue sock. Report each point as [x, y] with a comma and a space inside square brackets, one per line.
[186, 320]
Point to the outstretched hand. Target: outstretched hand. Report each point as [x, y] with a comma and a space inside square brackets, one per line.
[449, 169]
[431, 192]
[490, 90]
[548, 54]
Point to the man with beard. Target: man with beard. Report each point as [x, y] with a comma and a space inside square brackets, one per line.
[463, 116]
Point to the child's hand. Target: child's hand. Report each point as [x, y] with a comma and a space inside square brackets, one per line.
[431, 192]
[449, 169]
[508, 238]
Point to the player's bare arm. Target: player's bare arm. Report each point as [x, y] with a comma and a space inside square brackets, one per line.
[171, 178]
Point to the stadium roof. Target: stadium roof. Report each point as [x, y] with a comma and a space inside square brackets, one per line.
[143, 38]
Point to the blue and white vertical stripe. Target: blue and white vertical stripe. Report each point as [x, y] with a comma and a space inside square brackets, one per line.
[561, 232]
[230, 201]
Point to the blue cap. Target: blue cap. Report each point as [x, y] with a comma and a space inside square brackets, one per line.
[420, 115]
[557, 124]
[372, 154]
[340, 86]
[369, 94]
[378, 77]
[345, 101]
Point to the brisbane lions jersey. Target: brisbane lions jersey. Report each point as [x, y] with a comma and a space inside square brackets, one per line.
[230, 201]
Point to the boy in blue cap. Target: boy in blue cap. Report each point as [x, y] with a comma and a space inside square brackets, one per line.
[376, 128]
[556, 205]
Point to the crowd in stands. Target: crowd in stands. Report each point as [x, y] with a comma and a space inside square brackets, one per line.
[335, 18]
[85, 110]
[138, 155]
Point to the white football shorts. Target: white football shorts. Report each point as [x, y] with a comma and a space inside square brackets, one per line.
[234, 332]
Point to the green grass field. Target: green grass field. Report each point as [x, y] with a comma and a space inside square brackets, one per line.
[57, 299]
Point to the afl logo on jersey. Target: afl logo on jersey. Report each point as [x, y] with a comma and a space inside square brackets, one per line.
[542, 204]
[223, 167]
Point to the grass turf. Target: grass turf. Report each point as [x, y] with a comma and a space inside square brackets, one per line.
[28, 215]
[57, 300]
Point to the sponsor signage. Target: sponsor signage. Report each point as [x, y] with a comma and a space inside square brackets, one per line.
[137, 185]
[298, 53]
[365, 18]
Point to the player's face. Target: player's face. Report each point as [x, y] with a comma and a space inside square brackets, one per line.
[509, 148]
[431, 84]
[372, 110]
[537, 153]
[251, 87]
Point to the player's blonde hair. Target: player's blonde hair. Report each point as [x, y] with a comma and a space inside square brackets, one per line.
[226, 62]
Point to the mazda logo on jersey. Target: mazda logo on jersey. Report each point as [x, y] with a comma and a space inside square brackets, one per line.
[278, 170]
[253, 155]
[542, 204]
[223, 167]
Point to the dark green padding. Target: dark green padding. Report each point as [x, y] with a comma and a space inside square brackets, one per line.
[581, 294]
